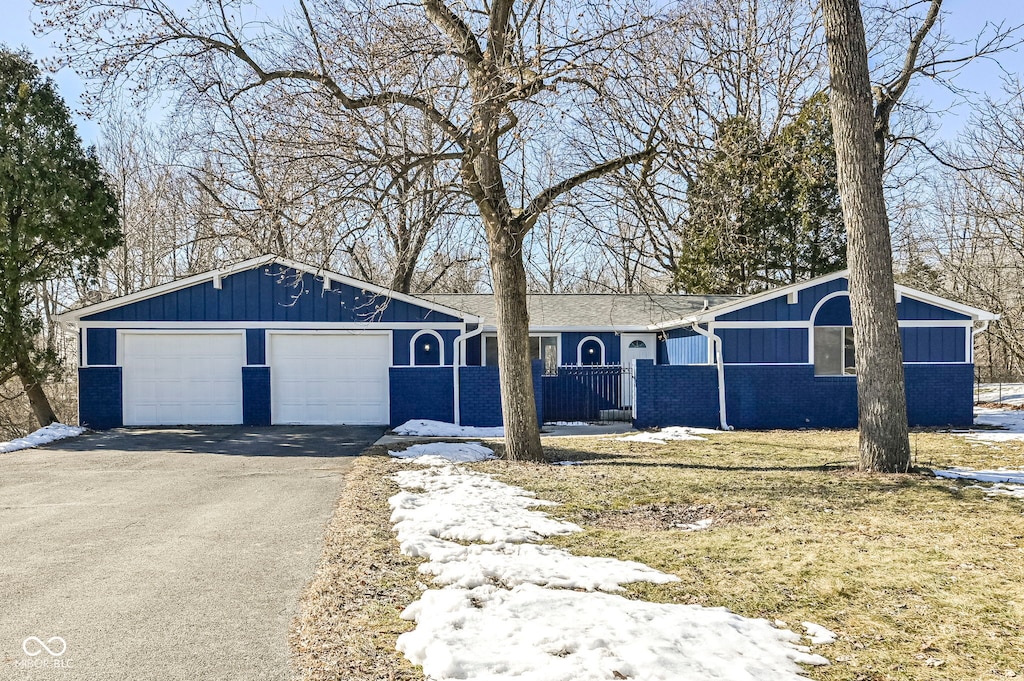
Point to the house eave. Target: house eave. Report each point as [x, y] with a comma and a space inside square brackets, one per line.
[74, 316]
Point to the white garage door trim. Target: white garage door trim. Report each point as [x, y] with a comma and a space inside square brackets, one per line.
[314, 393]
[192, 380]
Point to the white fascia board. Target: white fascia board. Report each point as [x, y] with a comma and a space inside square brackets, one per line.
[252, 263]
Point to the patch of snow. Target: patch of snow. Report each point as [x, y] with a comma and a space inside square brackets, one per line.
[669, 434]
[513, 609]
[428, 428]
[510, 565]
[1010, 422]
[469, 506]
[558, 635]
[566, 463]
[441, 453]
[998, 475]
[45, 435]
[818, 634]
[999, 489]
[1010, 393]
[567, 423]
[697, 526]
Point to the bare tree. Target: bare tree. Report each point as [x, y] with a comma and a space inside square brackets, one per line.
[518, 61]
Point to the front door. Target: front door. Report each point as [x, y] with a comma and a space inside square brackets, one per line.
[634, 346]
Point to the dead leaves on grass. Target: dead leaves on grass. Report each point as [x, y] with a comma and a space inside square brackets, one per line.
[662, 517]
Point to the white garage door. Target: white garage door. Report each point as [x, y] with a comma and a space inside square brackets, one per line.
[182, 379]
[329, 378]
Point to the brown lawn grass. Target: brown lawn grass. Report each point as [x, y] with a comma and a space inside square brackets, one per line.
[919, 577]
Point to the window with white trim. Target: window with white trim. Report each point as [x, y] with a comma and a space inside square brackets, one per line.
[541, 347]
[835, 353]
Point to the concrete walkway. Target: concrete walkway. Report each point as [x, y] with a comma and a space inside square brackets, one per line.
[164, 554]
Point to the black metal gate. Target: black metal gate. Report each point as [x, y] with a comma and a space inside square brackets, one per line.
[581, 393]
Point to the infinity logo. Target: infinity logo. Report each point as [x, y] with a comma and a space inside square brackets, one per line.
[39, 646]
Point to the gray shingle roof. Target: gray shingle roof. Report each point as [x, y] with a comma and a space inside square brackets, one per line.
[587, 310]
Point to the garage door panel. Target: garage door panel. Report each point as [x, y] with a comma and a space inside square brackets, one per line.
[178, 379]
[330, 378]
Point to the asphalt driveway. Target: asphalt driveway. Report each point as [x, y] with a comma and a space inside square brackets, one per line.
[164, 554]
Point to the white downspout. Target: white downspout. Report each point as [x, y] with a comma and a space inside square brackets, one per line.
[716, 345]
[457, 362]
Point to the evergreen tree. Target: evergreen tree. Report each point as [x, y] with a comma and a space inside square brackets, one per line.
[764, 212]
[57, 216]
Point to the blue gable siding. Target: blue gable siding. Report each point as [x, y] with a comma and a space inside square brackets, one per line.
[571, 341]
[763, 346]
[779, 309]
[274, 294]
[682, 346]
[908, 308]
[933, 344]
[831, 313]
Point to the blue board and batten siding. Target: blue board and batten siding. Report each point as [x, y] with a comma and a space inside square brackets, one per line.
[769, 377]
[271, 294]
[263, 297]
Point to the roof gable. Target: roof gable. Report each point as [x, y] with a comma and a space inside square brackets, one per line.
[268, 289]
[798, 302]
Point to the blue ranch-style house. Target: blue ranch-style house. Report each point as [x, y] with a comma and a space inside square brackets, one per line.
[272, 341]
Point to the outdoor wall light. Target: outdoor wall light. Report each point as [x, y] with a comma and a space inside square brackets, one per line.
[426, 347]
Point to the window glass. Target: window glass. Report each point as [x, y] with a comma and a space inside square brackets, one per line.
[849, 352]
[541, 347]
[491, 350]
[549, 353]
[828, 351]
[638, 344]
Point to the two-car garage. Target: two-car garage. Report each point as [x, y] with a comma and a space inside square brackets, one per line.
[195, 377]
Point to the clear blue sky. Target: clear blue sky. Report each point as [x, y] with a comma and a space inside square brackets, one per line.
[966, 18]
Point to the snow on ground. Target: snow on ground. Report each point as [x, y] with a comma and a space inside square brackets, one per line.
[510, 608]
[510, 564]
[440, 453]
[697, 526]
[428, 428]
[1010, 423]
[1010, 393]
[45, 435]
[818, 634]
[671, 433]
[558, 635]
[999, 489]
[468, 506]
[567, 424]
[999, 477]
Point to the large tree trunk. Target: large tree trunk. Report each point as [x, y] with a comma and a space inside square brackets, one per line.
[881, 398]
[518, 406]
[36, 395]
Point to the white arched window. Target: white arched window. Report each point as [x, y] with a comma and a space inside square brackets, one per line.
[590, 351]
[426, 349]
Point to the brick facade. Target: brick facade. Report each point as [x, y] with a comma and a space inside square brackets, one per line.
[99, 397]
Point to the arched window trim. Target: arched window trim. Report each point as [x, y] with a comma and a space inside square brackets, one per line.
[814, 315]
[412, 346]
[579, 349]
[637, 344]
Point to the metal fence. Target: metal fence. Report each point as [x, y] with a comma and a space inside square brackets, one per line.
[581, 393]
